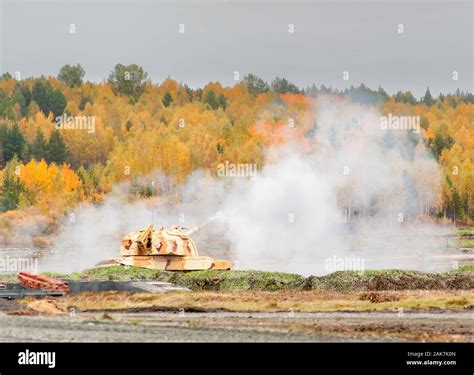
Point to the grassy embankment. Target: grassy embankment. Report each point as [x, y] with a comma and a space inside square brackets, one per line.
[385, 290]
[216, 280]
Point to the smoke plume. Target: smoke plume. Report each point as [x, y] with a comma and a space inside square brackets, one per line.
[355, 194]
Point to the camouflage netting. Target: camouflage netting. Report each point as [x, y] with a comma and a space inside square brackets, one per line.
[216, 280]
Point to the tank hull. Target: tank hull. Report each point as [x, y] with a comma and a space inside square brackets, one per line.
[175, 263]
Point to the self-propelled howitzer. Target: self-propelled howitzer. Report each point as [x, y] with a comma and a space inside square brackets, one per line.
[166, 249]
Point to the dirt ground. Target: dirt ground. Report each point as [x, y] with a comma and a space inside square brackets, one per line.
[258, 301]
[15, 307]
[242, 316]
[238, 327]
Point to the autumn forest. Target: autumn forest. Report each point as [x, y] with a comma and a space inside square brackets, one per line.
[66, 142]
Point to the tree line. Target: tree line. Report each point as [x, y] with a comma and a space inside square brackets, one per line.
[141, 127]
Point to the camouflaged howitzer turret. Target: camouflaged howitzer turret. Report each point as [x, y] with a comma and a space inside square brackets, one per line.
[166, 249]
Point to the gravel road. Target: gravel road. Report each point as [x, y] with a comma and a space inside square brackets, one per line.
[240, 327]
[60, 329]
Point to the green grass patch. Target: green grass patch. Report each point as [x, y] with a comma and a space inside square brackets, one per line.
[464, 243]
[465, 232]
[461, 278]
[197, 280]
[9, 278]
[117, 273]
[467, 269]
[219, 280]
[240, 280]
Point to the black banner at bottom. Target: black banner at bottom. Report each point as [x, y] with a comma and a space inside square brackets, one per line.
[448, 358]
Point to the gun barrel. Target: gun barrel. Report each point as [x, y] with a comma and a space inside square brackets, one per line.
[212, 218]
[198, 227]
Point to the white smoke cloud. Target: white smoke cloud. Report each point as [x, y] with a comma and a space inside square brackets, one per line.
[355, 194]
[284, 218]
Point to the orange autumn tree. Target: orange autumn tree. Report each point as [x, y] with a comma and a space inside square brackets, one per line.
[51, 188]
[198, 130]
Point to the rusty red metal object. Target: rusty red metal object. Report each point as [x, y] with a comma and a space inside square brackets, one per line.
[41, 282]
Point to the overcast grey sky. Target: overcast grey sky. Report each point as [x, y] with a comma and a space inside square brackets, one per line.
[221, 37]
